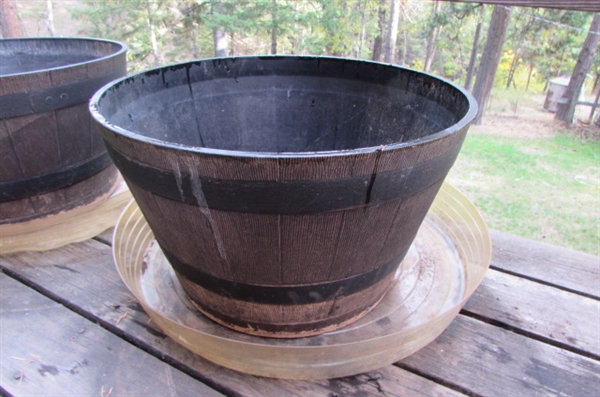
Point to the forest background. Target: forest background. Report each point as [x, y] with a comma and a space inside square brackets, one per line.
[529, 174]
[444, 38]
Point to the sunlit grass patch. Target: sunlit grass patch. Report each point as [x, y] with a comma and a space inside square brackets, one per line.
[546, 189]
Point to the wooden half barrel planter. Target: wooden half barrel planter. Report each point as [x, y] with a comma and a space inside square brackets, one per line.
[284, 190]
[53, 158]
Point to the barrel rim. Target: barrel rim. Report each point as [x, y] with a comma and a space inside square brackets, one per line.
[461, 124]
[122, 48]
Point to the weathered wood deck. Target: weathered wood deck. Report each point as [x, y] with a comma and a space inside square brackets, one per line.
[69, 327]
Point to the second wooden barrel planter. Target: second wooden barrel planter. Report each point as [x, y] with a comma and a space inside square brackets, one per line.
[284, 190]
[53, 158]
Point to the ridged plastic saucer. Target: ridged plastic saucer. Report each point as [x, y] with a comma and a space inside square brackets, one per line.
[445, 264]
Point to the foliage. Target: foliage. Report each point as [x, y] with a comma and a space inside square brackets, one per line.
[453, 47]
[333, 22]
[139, 23]
[539, 45]
[540, 41]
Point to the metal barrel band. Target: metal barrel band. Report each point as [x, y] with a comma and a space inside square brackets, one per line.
[55, 180]
[289, 197]
[52, 98]
[282, 294]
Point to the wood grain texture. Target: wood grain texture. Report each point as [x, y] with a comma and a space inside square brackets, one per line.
[489, 361]
[561, 267]
[10, 161]
[106, 237]
[472, 356]
[566, 318]
[49, 141]
[74, 197]
[272, 249]
[286, 321]
[386, 382]
[47, 347]
[35, 144]
[85, 276]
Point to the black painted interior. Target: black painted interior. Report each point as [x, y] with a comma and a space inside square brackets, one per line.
[283, 104]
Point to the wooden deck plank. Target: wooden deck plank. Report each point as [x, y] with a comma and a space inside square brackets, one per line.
[490, 361]
[46, 347]
[572, 270]
[570, 320]
[84, 276]
[106, 236]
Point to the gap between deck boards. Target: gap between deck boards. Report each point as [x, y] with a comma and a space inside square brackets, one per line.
[543, 282]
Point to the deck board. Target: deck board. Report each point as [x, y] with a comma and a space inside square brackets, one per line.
[525, 331]
[45, 346]
[570, 320]
[561, 267]
[84, 277]
[106, 236]
[490, 361]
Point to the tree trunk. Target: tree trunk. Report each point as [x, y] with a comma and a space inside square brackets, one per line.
[193, 32]
[513, 68]
[593, 109]
[221, 43]
[566, 107]
[431, 48]
[274, 23]
[432, 36]
[596, 81]
[152, 33]
[529, 75]
[219, 34]
[379, 40]
[10, 23]
[363, 31]
[50, 19]
[390, 47]
[404, 48]
[490, 58]
[471, 67]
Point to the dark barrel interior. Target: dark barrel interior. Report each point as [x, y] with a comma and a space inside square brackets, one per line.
[30, 55]
[283, 104]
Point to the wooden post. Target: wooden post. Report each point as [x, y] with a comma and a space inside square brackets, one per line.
[490, 57]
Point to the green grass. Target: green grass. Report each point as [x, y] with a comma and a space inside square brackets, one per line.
[509, 101]
[547, 189]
